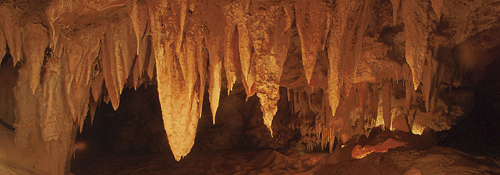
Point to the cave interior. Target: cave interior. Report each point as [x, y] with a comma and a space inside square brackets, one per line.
[250, 87]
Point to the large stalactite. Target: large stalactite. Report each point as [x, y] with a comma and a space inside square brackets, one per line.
[341, 62]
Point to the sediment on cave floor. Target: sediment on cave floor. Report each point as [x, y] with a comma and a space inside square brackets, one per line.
[280, 86]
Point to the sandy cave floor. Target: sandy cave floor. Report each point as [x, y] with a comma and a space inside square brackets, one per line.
[227, 162]
[438, 160]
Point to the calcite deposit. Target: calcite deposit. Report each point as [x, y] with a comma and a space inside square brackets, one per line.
[346, 65]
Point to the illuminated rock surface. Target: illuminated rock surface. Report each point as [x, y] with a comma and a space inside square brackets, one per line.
[327, 70]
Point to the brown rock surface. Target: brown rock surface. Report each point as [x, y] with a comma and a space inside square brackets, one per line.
[347, 66]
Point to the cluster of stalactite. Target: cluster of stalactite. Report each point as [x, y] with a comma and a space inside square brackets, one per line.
[68, 50]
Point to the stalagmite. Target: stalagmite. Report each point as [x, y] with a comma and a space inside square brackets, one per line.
[312, 19]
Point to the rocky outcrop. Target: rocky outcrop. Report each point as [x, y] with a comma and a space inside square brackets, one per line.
[339, 61]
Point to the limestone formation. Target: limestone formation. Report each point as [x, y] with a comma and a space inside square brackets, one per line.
[347, 65]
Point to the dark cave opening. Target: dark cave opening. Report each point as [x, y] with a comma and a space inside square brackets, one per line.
[478, 133]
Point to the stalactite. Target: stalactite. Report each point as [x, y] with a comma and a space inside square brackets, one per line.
[234, 14]
[176, 71]
[151, 60]
[187, 61]
[312, 19]
[108, 60]
[417, 31]
[236, 17]
[267, 61]
[437, 6]
[92, 108]
[12, 31]
[344, 47]
[395, 9]
[283, 35]
[353, 41]
[3, 43]
[184, 38]
[80, 55]
[139, 18]
[96, 94]
[34, 44]
[201, 62]
[214, 42]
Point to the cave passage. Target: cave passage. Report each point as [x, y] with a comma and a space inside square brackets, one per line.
[249, 87]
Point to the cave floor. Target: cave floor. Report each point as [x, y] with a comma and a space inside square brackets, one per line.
[438, 160]
[227, 162]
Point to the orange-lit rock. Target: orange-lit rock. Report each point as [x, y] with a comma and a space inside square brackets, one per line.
[359, 151]
[347, 66]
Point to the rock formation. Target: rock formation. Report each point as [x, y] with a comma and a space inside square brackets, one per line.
[347, 65]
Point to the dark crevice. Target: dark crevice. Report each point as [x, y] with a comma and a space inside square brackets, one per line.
[6, 125]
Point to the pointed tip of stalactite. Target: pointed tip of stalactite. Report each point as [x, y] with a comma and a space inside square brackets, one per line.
[270, 131]
[308, 78]
[178, 157]
[230, 88]
[115, 107]
[213, 115]
[33, 88]
[415, 85]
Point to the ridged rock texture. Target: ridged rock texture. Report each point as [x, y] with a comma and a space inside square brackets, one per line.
[347, 65]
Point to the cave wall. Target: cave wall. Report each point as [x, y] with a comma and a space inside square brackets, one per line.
[341, 63]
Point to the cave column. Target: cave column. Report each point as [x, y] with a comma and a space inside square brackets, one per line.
[44, 129]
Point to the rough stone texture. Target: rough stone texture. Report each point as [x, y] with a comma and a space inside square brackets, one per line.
[339, 62]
